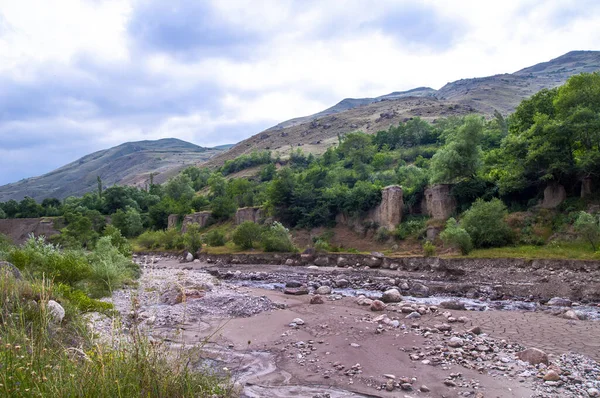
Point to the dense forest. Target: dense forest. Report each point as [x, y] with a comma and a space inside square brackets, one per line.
[498, 170]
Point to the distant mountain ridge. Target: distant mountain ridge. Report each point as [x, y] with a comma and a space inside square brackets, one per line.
[130, 163]
[484, 95]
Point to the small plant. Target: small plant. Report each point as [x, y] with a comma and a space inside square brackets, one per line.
[246, 235]
[322, 246]
[215, 238]
[588, 227]
[382, 234]
[428, 249]
[456, 236]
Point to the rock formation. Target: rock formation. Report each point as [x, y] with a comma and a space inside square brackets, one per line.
[254, 214]
[173, 220]
[554, 195]
[19, 229]
[439, 202]
[200, 218]
[389, 211]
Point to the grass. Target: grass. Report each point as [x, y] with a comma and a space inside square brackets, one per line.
[559, 250]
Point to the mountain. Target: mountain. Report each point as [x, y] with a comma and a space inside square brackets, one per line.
[127, 164]
[483, 95]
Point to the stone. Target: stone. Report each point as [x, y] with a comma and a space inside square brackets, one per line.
[390, 385]
[475, 330]
[373, 262]
[342, 283]
[419, 290]
[554, 195]
[172, 221]
[296, 291]
[453, 305]
[377, 305]
[391, 207]
[450, 383]
[189, 257]
[439, 202]
[56, 311]
[391, 296]
[413, 315]
[456, 342]
[424, 388]
[298, 321]
[444, 327]
[317, 299]
[323, 290]
[321, 261]
[551, 375]
[293, 283]
[559, 302]
[252, 214]
[570, 314]
[593, 392]
[201, 218]
[10, 269]
[533, 355]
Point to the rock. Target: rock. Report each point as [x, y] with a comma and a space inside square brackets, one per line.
[354, 345]
[449, 383]
[252, 214]
[570, 314]
[593, 392]
[10, 269]
[342, 283]
[390, 385]
[201, 218]
[554, 195]
[321, 261]
[456, 342]
[172, 221]
[290, 262]
[377, 305]
[390, 376]
[296, 291]
[439, 202]
[171, 296]
[551, 375]
[56, 311]
[559, 302]
[389, 211]
[293, 284]
[391, 296]
[444, 327]
[419, 290]
[298, 321]
[323, 290]
[534, 356]
[453, 305]
[317, 299]
[189, 257]
[424, 388]
[413, 315]
[475, 330]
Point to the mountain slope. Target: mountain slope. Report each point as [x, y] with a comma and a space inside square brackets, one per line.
[127, 164]
[478, 95]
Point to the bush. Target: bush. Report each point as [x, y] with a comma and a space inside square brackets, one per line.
[215, 238]
[410, 228]
[382, 234]
[428, 249]
[110, 268]
[192, 239]
[485, 223]
[151, 239]
[246, 235]
[456, 236]
[587, 227]
[128, 221]
[276, 238]
[118, 240]
[322, 246]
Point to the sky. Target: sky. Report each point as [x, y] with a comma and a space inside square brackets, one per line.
[77, 76]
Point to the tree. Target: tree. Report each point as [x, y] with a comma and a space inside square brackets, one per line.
[2, 214]
[246, 235]
[128, 221]
[222, 208]
[357, 149]
[588, 227]
[28, 208]
[192, 239]
[456, 236]
[460, 158]
[179, 188]
[485, 223]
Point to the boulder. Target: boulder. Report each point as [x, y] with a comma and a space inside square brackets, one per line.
[453, 305]
[391, 296]
[551, 375]
[342, 283]
[322, 261]
[439, 202]
[554, 195]
[323, 290]
[317, 299]
[189, 257]
[456, 342]
[8, 268]
[377, 305]
[419, 290]
[56, 311]
[296, 291]
[293, 284]
[559, 302]
[373, 262]
[534, 356]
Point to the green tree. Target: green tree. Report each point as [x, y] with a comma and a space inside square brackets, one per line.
[357, 149]
[129, 222]
[2, 214]
[486, 225]
[588, 227]
[456, 236]
[247, 235]
[179, 188]
[222, 208]
[276, 238]
[192, 239]
[460, 158]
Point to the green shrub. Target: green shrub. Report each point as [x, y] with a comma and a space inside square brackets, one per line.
[411, 228]
[276, 238]
[192, 239]
[118, 240]
[428, 249]
[485, 223]
[456, 236]
[246, 235]
[322, 246]
[82, 301]
[382, 234]
[151, 239]
[215, 238]
[587, 227]
[110, 268]
[128, 221]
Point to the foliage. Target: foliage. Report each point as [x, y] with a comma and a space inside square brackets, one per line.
[222, 208]
[110, 268]
[428, 249]
[118, 240]
[247, 235]
[169, 239]
[129, 222]
[246, 161]
[413, 227]
[382, 234]
[276, 238]
[486, 225]
[456, 236]
[192, 239]
[215, 238]
[588, 227]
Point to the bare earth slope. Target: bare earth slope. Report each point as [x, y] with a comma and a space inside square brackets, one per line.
[479, 95]
[127, 164]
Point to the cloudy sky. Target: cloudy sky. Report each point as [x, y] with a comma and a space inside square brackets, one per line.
[77, 76]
